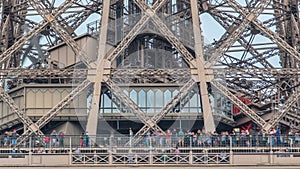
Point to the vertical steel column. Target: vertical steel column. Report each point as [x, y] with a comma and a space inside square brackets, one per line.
[208, 119]
[92, 122]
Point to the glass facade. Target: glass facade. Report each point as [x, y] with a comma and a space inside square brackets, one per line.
[152, 100]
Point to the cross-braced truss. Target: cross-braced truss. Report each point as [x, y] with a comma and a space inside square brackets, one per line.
[255, 57]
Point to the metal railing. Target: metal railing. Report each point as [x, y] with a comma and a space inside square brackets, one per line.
[218, 143]
[151, 158]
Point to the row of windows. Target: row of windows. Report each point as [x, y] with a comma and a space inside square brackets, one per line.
[152, 101]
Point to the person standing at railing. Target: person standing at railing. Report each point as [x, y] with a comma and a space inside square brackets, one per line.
[161, 139]
[254, 140]
[54, 138]
[155, 138]
[247, 138]
[297, 139]
[147, 139]
[194, 139]
[6, 138]
[278, 137]
[168, 138]
[208, 140]
[271, 139]
[81, 139]
[199, 138]
[215, 139]
[174, 137]
[233, 138]
[14, 136]
[223, 139]
[87, 139]
[61, 137]
[181, 137]
[291, 137]
[47, 141]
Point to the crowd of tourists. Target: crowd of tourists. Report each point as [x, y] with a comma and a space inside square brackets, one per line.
[200, 138]
[9, 138]
[171, 138]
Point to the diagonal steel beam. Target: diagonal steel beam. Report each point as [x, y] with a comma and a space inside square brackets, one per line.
[133, 107]
[284, 45]
[133, 33]
[21, 114]
[250, 113]
[226, 24]
[184, 91]
[62, 32]
[272, 35]
[20, 43]
[287, 106]
[46, 118]
[238, 31]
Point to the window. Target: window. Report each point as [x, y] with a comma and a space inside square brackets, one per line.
[142, 100]
[159, 100]
[150, 101]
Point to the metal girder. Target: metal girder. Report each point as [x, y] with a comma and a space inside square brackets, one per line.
[284, 45]
[176, 76]
[92, 120]
[244, 108]
[46, 118]
[21, 73]
[238, 31]
[73, 21]
[287, 105]
[13, 15]
[62, 32]
[131, 106]
[183, 92]
[292, 120]
[226, 24]
[272, 35]
[21, 114]
[133, 33]
[208, 118]
[166, 32]
[83, 16]
[18, 44]
[257, 72]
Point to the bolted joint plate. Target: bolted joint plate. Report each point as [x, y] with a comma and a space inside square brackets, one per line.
[34, 127]
[150, 12]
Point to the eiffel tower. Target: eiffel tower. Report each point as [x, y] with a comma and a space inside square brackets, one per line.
[148, 65]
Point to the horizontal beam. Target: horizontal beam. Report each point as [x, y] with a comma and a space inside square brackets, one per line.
[256, 72]
[21, 73]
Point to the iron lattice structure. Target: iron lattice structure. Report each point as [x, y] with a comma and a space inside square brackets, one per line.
[256, 58]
